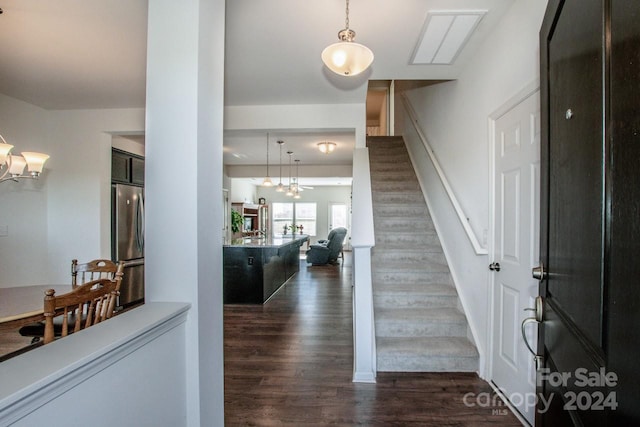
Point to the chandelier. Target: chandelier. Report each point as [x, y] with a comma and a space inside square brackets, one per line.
[12, 165]
[346, 57]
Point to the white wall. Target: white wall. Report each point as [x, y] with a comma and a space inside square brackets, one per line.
[66, 213]
[79, 186]
[242, 191]
[454, 117]
[128, 145]
[323, 196]
[23, 250]
[321, 116]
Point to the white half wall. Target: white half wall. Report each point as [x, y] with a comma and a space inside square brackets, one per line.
[454, 118]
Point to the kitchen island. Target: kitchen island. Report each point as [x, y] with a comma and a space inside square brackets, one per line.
[256, 267]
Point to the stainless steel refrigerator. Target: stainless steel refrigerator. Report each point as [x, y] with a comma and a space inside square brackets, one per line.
[127, 239]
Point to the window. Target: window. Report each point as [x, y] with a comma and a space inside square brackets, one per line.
[294, 213]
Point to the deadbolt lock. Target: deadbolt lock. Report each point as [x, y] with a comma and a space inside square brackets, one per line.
[539, 272]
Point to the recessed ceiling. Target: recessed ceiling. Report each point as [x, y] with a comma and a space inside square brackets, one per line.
[249, 147]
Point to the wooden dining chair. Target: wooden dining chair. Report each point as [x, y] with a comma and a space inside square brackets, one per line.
[86, 305]
[92, 270]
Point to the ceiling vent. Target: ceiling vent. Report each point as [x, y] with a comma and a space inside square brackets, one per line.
[444, 35]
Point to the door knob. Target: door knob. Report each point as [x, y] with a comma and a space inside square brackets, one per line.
[494, 266]
[539, 272]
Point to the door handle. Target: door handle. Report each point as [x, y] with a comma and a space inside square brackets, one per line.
[539, 272]
[494, 266]
[537, 319]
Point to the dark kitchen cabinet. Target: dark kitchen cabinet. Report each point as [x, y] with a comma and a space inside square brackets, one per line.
[127, 168]
[137, 170]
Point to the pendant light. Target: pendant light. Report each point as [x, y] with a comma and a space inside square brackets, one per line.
[280, 187]
[296, 194]
[289, 187]
[346, 57]
[267, 181]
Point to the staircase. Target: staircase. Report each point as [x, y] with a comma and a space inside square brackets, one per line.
[420, 326]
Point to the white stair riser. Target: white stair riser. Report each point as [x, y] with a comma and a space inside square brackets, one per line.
[426, 364]
[403, 185]
[414, 301]
[395, 197]
[414, 257]
[423, 329]
[410, 277]
[407, 240]
[393, 224]
[409, 212]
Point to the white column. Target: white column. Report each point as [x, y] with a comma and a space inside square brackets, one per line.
[183, 182]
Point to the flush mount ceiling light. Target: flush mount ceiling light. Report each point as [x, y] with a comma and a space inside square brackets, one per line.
[267, 181]
[444, 35]
[326, 147]
[346, 57]
[12, 165]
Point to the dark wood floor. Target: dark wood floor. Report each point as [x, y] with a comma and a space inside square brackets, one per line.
[290, 362]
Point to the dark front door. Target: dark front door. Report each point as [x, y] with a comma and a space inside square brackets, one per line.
[588, 119]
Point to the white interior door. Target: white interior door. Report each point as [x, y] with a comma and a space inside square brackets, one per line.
[516, 248]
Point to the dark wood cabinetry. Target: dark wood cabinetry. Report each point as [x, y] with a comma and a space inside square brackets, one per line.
[127, 168]
[254, 269]
[256, 217]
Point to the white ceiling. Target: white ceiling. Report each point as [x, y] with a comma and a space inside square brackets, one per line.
[75, 54]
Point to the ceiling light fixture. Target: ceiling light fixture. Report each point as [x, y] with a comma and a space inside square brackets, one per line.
[267, 181]
[289, 187]
[296, 194]
[14, 164]
[326, 147]
[280, 187]
[346, 57]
